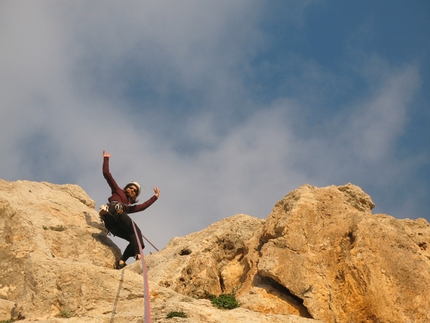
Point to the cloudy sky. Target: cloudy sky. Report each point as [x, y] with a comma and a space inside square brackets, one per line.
[225, 105]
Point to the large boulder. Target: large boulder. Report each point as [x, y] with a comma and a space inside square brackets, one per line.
[320, 254]
[56, 265]
[347, 265]
[54, 253]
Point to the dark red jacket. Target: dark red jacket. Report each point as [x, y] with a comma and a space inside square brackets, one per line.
[118, 194]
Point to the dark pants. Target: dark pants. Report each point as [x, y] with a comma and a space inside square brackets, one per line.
[121, 225]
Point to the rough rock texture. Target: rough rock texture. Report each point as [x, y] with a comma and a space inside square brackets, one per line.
[345, 263]
[321, 256]
[56, 266]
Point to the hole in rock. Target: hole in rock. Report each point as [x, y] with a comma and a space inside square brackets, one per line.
[221, 283]
[185, 252]
[351, 237]
[273, 287]
[260, 245]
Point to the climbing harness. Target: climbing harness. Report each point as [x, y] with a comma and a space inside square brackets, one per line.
[114, 209]
[147, 305]
[104, 211]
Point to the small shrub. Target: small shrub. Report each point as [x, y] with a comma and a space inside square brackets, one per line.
[225, 301]
[210, 297]
[57, 228]
[8, 321]
[65, 314]
[176, 314]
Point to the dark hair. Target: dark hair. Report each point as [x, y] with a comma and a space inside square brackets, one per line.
[135, 200]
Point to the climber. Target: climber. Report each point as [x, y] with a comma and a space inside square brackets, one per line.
[115, 213]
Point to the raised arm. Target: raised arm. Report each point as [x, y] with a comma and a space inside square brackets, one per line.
[144, 205]
[106, 173]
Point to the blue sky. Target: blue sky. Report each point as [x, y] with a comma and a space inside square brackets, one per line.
[225, 105]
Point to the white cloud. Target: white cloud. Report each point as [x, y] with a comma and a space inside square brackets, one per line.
[378, 123]
[62, 96]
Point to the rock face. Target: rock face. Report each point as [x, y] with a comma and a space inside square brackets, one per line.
[348, 265]
[320, 256]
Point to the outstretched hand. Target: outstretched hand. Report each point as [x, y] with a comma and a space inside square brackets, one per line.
[156, 191]
[105, 154]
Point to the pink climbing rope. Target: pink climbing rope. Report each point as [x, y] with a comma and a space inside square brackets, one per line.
[150, 243]
[147, 304]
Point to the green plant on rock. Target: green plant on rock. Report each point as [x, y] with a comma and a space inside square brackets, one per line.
[56, 228]
[176, 314]
[65, 314]
[8, 321]
[225, 301]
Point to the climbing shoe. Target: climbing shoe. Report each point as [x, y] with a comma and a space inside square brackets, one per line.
[119, 266]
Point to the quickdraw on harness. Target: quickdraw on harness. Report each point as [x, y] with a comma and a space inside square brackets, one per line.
[104, 210]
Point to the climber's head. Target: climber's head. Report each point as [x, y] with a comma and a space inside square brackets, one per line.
[132, 190]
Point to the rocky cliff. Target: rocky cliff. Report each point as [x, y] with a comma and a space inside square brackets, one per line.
[320, 256]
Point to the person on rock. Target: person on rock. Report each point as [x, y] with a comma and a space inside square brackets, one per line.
[115, 213]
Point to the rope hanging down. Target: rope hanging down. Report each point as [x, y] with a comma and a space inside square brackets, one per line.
[147, 305]
[149, 242]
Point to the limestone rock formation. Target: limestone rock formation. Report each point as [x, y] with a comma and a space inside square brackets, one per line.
[345, 263]
[320, 256]
[56, 266]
